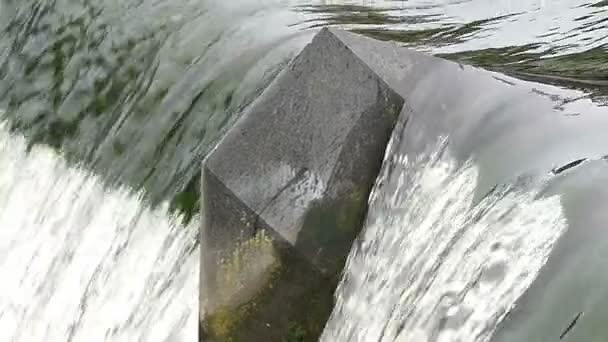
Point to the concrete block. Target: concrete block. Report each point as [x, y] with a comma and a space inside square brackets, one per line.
[285, 192]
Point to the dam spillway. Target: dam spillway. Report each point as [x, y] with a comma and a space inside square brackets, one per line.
[284, 192]
[109, 107]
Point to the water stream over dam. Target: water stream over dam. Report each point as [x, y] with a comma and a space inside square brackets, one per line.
[108, 108]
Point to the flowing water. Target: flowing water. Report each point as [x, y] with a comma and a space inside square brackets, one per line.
[108, 108]
[435, 264]
[83, 262]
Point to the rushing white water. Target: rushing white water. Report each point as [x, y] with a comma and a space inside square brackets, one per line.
[431, 265]
[80, 262]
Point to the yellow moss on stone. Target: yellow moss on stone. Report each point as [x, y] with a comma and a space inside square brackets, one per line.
[221, 324]
[254, 254]
[245, 270]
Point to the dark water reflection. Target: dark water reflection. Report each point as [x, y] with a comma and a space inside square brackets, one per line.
[140, 90]
[560, 43]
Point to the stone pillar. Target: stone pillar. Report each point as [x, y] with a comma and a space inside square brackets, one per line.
[284, 195]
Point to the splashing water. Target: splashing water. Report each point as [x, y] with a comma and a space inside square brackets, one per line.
[81, 262]
[432, 265]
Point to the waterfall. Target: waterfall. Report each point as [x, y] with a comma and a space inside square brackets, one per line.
[83, 262]
[434, 265]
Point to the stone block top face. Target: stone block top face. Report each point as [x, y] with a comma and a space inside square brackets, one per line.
[281, 155]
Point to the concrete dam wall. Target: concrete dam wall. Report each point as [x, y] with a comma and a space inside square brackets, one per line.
[284, 194]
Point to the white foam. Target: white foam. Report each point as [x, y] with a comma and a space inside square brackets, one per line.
[80, 262]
